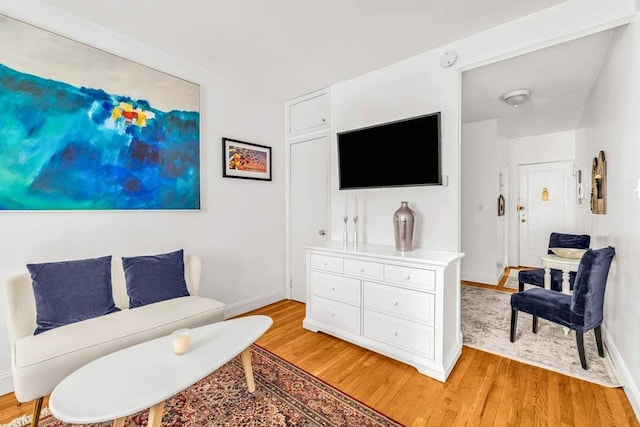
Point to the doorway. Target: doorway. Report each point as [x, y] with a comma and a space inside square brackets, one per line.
[542, 128]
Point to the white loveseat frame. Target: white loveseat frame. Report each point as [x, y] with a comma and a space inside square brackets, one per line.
[40, 362]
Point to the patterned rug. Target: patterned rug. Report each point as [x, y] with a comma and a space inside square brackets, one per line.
[284, 396]
[486, 316]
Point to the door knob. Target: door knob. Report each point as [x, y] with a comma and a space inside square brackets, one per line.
[322, 232]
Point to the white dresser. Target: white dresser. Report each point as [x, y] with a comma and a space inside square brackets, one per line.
[403, 305]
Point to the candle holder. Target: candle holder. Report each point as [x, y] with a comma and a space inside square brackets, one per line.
[345, 233]
[355, 232]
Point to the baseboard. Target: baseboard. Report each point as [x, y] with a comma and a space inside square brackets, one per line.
[6, 383]
[630, 387]
[242, 307]
[483, 279]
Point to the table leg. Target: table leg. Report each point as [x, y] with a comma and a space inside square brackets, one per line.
[565, 282]
[565, 290]
[119, 422]
[248, 370]
[155, 415]
[547, 278]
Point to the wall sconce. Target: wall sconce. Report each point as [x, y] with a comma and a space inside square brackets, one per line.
[545, 194]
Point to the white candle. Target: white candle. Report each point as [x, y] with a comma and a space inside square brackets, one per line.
[355, 206]
[346, 204]
[181, 339]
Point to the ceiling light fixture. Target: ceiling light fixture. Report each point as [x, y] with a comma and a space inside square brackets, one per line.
[516, 97]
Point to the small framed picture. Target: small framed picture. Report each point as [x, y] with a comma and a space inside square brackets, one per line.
[245, 160]
[500, 205]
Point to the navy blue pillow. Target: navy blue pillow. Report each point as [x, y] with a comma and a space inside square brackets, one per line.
[70, 291]
[154, 278]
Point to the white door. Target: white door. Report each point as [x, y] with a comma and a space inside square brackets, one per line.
[545, 204]
[309, 180]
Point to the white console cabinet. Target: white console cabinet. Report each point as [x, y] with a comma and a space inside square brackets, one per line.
[403, 305]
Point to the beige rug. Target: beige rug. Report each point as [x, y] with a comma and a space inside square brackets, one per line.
[486, 316]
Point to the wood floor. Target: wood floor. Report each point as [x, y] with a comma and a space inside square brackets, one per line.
[483, 389]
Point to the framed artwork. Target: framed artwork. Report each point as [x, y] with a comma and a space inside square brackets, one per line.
[599, 184]
[500, 205]
[83, 129]
[245, 160]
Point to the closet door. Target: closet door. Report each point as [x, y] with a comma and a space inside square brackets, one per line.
[308, 114]
[309, 184]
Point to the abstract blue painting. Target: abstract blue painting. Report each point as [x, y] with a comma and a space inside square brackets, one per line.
[69, 146]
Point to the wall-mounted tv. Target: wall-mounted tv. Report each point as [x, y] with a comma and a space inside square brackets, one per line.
[396, 154]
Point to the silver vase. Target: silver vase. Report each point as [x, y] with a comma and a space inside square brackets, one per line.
[403, 221]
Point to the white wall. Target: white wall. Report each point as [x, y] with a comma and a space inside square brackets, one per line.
[389, 94]
[240, 231]
[479, 192]
[503, 221]
[547, 148]
[610, 123]
[419, 85]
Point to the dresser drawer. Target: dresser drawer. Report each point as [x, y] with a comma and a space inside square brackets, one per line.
[368, 270]
[334, 287]
[328, 263]
[424, 279]
[399, 333]
[413, 305]
[343, 316]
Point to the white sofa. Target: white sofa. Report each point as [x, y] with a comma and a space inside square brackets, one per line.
[40, 362]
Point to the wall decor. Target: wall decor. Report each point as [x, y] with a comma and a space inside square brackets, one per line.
[599, 184]
[500, 205]
[83, 129]
[245, 160]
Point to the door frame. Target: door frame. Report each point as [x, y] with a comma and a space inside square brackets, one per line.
[289, 142]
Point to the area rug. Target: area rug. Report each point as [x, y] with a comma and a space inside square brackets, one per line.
[486, 316]
[285, 396]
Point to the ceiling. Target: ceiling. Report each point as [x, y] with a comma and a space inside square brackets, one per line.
[560, 79]
[292, 47]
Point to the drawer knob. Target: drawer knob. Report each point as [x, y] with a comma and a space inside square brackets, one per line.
[395, 303]
[333, 288]
[325, 263]
[361, 269]
[395, 333]
[333, 315]
[407, 277]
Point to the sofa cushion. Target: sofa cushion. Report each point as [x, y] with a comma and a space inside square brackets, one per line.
[42, 361]
[154, 278]
[70, 291]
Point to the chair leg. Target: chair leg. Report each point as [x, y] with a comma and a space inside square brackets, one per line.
[580, 341]
[520, 286]
[535, 324]
[598, 333]
[514, 324]
[36, 412]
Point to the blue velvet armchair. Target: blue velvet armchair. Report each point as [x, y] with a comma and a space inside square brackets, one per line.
[556, 240]
[581, 311]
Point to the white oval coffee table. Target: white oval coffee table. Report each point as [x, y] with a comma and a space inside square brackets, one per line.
[145, 375]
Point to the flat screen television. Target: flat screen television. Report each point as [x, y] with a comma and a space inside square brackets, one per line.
[396, 154]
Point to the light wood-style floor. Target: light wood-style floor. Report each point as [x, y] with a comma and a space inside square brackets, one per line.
[483, 389]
